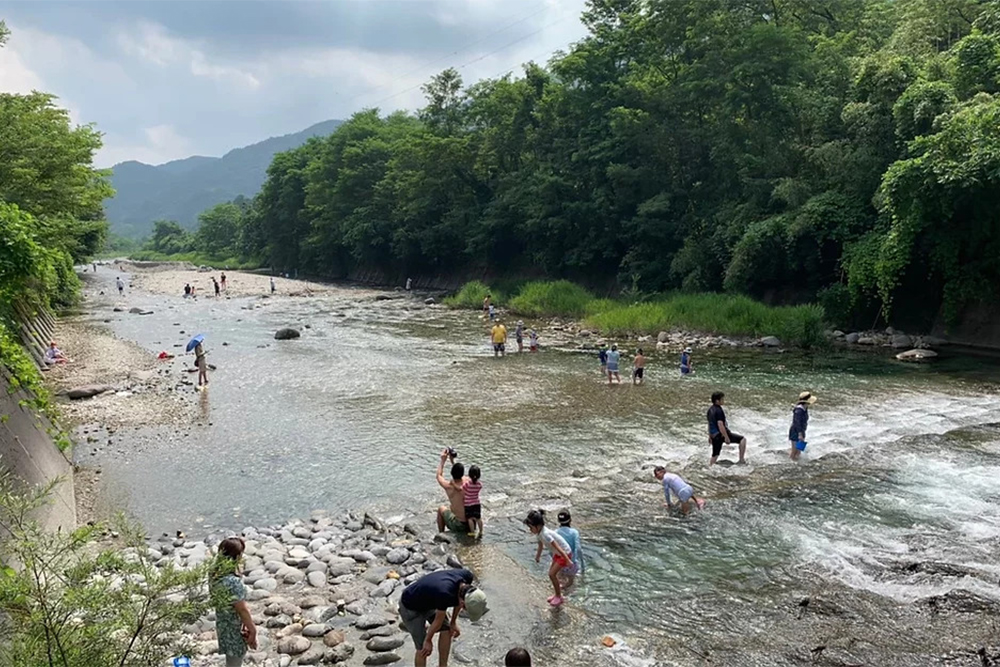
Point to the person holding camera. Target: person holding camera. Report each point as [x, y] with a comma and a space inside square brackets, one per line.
[452, 515]
[424, 605]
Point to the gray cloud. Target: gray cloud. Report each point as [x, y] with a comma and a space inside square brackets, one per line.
[165, 80]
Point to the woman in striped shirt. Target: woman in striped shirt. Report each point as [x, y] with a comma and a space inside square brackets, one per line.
[473, 508]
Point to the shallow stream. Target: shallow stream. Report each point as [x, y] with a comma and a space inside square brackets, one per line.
[901, 471]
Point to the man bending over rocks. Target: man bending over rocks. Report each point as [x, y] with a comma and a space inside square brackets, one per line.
[453, 517]
[427, 600]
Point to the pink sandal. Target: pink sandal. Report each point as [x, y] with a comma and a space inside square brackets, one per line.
[555, 600]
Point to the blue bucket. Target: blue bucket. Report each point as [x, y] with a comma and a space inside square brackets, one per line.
[801, 445]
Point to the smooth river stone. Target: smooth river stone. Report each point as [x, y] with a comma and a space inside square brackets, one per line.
[315, 630]
[369, 621]
[293, 577]
[316, 566]
[339, 653]
[302, 531]
[311, 601]
[384, 589]
[398, 556]
[317, 579]
[257, 595]
[334, 638]
[268, 584]
[382, 644]
[382, 659]
[379, 550]
[384, 631]
[311, 657]
[294, 645]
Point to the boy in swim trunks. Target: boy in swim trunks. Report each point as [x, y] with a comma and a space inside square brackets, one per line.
[680, 488]
[638, 367]
[452, 516]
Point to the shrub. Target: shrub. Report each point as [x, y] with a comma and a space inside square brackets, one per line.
[560, 297]
[471, 295]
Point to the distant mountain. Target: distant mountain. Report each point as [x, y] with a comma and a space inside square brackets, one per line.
[182, 189]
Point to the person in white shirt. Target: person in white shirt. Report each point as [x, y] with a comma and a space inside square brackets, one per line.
[557, 544]
[680, 488]
[54, 355]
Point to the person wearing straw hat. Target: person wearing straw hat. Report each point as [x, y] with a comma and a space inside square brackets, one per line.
[800, 420]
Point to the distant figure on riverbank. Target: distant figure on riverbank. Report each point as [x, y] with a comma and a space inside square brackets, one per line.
[234, 626]
[94, 264]
[486, 304]
[54, 355]
[121, 285]
[561, 557]
[272, 284]
[452, 515]
[424, 605]
[222, 279]
[686, 368]
[517, 657]
[679, 487]
[187, 290]
[614, 357]
[499, 337]
[519, 336]
[532, 340]
[638, 367]
[492, 312]
[471, 489]
[602, 357]
[409, 284]
[718, 430]
[202, 364]
[215, 284]
[572, 537]
[800, 421]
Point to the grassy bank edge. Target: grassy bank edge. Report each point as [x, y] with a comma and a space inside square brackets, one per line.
[708, 313]
[196, 258]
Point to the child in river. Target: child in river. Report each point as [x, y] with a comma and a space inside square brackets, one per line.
[572, 537]
[679, 487]
[532, 341]
[638, 367]
[471, 489]
[561, 557]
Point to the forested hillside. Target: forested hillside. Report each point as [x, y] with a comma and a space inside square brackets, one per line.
[845, 151]
[182, 189]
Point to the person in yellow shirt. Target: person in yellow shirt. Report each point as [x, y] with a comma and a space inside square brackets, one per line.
[499, 338]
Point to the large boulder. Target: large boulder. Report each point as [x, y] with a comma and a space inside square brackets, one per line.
[867, 340]
[662, 337]
[770, 341]
[294, 645]
[286, 334]
[916, 355]
[87, 391]
[852, 337]
[901, 341]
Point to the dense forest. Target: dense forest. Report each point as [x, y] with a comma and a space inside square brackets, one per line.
[839, 151]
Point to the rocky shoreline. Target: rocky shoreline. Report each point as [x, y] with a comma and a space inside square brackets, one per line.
[321, 591]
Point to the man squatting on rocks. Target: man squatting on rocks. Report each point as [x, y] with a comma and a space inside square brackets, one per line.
[452, 516]
[424, 606]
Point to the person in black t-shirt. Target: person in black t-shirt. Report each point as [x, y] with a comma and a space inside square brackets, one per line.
[718, 430]
[427, 600]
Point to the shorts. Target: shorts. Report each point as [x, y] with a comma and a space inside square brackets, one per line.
[534, 347]
[639, 372]
[718, 441]
[453, 524]
[685, 493]
[571, 570]
[498, 347]
[561, 561]
[416, 623]
[612, 368]
[473, 512]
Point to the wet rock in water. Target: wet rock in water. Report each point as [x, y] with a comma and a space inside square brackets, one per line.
[382, 659]
[140, 311]
[916, 355]
[369, 621]
[339, 653]
[116, 309]
[87, 391]
[382, 644]
[334, 638]
[901, 341]
[429, 301]
[397, 556]
[961, 602]
[294, 645]
[770, 341]
[286, 334]
[852, 338]
[311, 657]
[443, 538]
[453, 561]
[387, 297]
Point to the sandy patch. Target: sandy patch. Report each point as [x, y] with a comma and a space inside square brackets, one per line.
[171, 281]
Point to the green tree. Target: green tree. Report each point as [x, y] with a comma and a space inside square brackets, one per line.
[218, 230]
[169, 238]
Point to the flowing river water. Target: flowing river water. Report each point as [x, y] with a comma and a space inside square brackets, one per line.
[897, 499]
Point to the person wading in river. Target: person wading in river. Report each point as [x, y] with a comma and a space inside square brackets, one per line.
[679, 487]
[800, 420]
[423, 608]
[718, 430]
[499, 337]
[452, 516]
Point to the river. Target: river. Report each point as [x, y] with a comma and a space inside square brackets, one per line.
[838, 550]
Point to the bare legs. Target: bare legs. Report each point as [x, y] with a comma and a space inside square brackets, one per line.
[554, 578]
[440, 518]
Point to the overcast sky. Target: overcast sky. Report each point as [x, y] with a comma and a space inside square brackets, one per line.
[165, 80]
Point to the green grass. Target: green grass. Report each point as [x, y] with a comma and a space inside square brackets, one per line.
[725, 314]
[562, 298]
[196, 258]
[472, 294]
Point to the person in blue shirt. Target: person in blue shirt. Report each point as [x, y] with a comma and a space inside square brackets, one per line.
[572, 537]
[800, 421]
[602, 356]
[686, 361]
